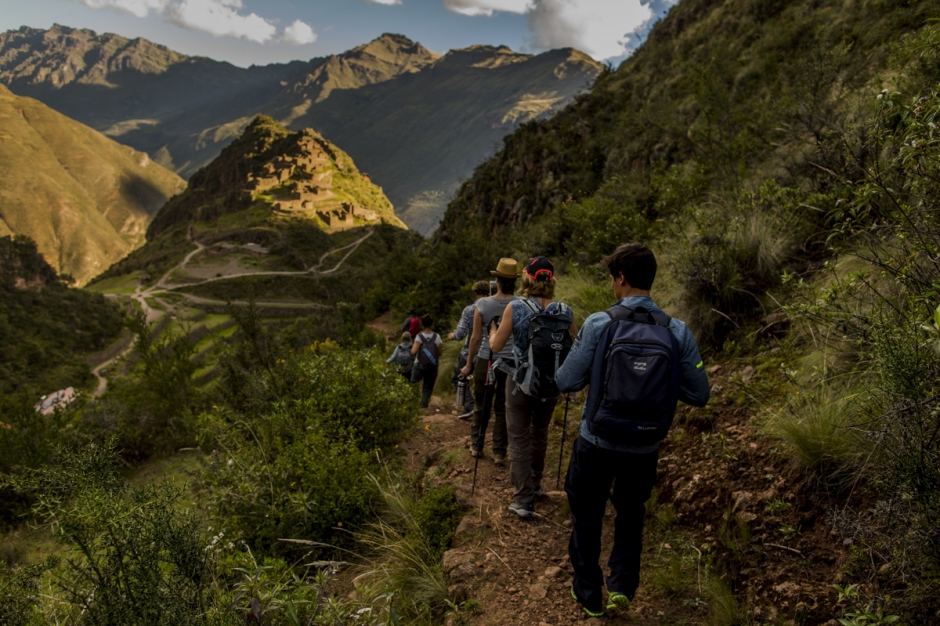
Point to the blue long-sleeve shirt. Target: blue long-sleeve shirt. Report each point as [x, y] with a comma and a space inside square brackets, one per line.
[575, 372]
[465, 328]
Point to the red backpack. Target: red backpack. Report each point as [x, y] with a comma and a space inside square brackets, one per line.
[414, 327]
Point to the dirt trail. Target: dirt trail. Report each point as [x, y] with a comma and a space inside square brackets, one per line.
[728, 507]
[162, 286]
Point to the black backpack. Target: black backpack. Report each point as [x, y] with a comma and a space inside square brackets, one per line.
[549, 345]
[635, 378]
[426, 357]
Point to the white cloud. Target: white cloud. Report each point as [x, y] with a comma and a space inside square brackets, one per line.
[223, 18]
[487, 7]
[601, 28]
[298, 34]
[388, 2]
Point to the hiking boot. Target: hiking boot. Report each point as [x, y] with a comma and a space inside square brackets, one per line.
[618, 602]
[499, 459]
[589, 612]
[466, 415]
[539, 494]
[474, 452]
[524, 511]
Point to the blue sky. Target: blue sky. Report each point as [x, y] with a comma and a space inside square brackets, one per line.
[246, 32]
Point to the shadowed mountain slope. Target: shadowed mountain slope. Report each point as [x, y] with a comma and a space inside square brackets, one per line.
[416, 121]
[85, 199]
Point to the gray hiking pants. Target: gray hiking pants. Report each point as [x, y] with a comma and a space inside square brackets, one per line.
[527, 421]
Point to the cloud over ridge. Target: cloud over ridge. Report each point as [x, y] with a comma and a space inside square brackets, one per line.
[222, 18]
[604, 29]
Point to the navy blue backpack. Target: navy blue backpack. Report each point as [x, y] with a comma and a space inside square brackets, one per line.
[634, 379]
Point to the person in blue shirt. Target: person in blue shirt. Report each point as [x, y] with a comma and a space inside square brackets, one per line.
[481, 289]
[625, 474]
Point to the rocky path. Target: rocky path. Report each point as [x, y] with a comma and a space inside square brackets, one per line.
[728, 514]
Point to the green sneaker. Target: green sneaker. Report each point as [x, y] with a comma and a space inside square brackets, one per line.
[589, 612]
[618, 602]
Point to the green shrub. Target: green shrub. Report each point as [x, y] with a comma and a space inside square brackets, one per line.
[290, 457]
[131, 556]
[266, 483]
[437, 514]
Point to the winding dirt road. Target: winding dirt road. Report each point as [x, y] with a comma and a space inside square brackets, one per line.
[163, 286]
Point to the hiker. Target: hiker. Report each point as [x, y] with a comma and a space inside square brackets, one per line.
[639, 362]
[542, 331]
[402, 357]
[481, 289]
[412, 323]
[486, 397]
[427, 351]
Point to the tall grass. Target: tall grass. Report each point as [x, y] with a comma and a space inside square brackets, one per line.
[404, 559]
[818, 424]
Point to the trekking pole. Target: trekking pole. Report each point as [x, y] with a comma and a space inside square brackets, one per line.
[561, 453]
[484, 418]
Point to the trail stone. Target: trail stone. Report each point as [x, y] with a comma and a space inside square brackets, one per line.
[742, 500]
[553, 571]
[458, 593]
[747, 374]
[538, 591]
[455, 558]
[465, 529]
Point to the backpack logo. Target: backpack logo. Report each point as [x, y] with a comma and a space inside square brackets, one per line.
[640, 365]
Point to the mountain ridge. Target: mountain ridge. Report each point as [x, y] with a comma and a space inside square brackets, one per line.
[484, 91]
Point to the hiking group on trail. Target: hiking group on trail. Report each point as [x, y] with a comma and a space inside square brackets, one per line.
[523, 353]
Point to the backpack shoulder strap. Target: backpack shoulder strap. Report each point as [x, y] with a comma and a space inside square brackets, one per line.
[619, 313]
[532, 306]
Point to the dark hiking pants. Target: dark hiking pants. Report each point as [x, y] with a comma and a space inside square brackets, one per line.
[493, 408]
[428, 378]
[591, 474]
[527, 421]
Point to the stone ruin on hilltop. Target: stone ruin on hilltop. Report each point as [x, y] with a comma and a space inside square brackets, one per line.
[302, 184]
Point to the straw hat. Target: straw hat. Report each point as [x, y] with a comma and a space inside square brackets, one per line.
[507, 268]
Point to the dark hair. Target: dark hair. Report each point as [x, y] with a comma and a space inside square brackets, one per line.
[413, 312]
[481, 288]
[426, 321]
[506, 285]
[636, 262]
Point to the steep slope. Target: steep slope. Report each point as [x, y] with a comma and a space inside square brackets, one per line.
[781, 160]
[416, 121]
[85, 199]
[46, 329]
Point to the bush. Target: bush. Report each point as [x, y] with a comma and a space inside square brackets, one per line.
[291, 455]
[132, 558]
[265, 483]
[736, 258]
